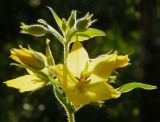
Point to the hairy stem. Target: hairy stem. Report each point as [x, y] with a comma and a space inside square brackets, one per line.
[66, 50]
[70, 116]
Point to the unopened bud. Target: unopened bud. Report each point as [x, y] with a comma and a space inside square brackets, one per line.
[85, 22]
[29, 57]
[35, 30]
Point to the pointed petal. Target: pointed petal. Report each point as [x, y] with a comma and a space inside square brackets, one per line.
[69, 85]
[26, 83]
[102, 67]
[77, 59]
[101, 91]
[121, 61]
[67, 82]
[82, 94]
[92, 93]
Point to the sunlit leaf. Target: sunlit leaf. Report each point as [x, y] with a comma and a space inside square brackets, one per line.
[87, 34]
[41, 21]
[50, 59]
[35, 29]
[58, 20]
[130, 86]
[51, 30]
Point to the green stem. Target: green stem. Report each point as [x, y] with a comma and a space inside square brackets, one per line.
[66, 50]
[70, 116]
[69, 110]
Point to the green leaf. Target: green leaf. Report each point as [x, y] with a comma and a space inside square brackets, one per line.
[72, 19]
[50, 59]
[52, 30]
[87, 34]
[64, 24]
[35, 29]
[130, 86]
[57, 35]
[41, 21]
[58, 20]
[37, 73]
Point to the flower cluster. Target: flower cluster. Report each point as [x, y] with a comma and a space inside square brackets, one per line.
[86, 79]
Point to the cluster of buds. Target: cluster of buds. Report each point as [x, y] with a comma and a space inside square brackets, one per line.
[80, 24]
[76, 25]
[83, 23]
[71, 28]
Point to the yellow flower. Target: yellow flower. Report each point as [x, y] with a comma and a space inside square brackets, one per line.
[29, 57]
[85, 81]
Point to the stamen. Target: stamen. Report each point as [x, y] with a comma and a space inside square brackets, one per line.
[84, 78]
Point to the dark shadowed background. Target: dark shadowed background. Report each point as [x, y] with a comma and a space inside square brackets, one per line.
[132, 27]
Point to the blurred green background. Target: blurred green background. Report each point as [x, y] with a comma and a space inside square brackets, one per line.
[132, 27]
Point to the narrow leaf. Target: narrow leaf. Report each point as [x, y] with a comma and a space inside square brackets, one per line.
[41, 21]
[87, 34]
[130, 86]
[58, 20]
[50, 59]
[52, 30]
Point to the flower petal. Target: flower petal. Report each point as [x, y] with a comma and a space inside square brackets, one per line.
[77, 59]
[121, 61]
[102, 67]
[92, 93]
[100, 91]
[67, 82]
[26, 83]
[82, 94]
[69, 85]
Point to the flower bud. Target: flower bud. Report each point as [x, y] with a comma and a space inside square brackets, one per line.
[72, 18]
[85, 22]
[29, 57]
[35, 30]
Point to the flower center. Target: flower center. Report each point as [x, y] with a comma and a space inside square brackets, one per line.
[83, 78]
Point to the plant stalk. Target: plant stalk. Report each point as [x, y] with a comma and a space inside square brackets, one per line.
[68, 109]
[70, 116]
[66, 50]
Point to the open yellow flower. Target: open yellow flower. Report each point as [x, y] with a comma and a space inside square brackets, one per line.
[84, 80]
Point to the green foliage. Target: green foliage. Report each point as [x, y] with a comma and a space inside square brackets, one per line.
[64, 24]
[35, 30]
[72, 19]
[87, 34]
[130, 86]
[50, 60]
[58, 20]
